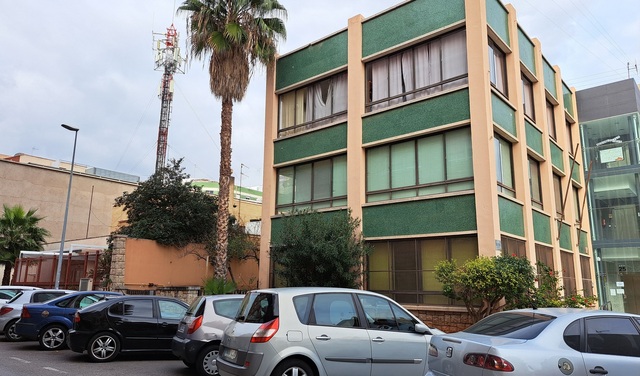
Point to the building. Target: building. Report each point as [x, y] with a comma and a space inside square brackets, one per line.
[443, 127]
[610, 132]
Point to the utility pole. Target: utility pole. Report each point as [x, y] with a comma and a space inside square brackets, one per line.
[168, 59]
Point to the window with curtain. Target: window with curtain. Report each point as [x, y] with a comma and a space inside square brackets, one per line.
[317, 104]
[435, 164]
[570, 138]
[405, 269]
[527, 98]
[534, 183]
[436, 65]
[504, 166]
[315, 185]
[551, 121]
[587, 282]
[557, 193]
[498, 68]
[513, 247]
[576, 202]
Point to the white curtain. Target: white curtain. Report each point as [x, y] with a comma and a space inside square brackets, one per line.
[435, 73]
[395, 77]
[379, 83]
[339, 84]
[322, 93]
[421, 72]
[454, 57]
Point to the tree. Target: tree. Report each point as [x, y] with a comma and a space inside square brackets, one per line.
[488, 284]
[19, 231]
[167, 210]
[237, 35]
[317, 249]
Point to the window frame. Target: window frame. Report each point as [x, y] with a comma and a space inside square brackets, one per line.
[528, 103]
[551, 120]
[507, 188]
[536, 194]
[498, 72]
[557, 193]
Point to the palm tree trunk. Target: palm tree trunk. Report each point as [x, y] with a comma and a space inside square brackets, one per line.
[220, 271]
[6, 276]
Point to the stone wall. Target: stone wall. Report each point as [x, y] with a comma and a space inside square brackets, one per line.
[118, 262]
[448, 320]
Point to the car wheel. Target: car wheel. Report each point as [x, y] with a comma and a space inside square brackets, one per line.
[10, 332]
[206, 362]
[293, 367]
[103, 347]
[53, 337]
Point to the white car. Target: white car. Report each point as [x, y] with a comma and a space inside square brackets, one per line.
[7, 292]
[545, 341]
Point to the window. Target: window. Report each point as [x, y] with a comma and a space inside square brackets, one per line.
[334, 310]
[587, 283]
[171, 310]
[513, 247]
[534, 183]
[568, 273]
[557, 193]
[138, 308]
[544, 255]
[504, 166]
[570, 139]
[384, 315]
[498, 68]
[226, 307]
[314, 105]
[551, 121]
[430, 165]
[404, 270]
[612, 336]
[527, 98]
[430, 67]
[576, 203]
[315, 185]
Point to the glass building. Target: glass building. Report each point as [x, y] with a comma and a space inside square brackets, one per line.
[610, 132]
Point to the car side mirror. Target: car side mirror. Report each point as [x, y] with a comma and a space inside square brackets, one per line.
[422, 329]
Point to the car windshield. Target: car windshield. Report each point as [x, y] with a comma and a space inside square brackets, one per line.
[520, 325]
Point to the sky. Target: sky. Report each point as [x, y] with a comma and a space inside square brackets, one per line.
[90, 64]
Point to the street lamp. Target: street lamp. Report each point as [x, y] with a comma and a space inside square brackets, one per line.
[66, 208]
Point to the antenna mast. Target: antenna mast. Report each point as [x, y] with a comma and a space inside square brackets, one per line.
[168, 58]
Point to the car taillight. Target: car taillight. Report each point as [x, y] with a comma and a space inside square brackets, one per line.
[76, 317]
[195, 324]
[266, 331]
[5, 310]
[494, 363]
[25, 313]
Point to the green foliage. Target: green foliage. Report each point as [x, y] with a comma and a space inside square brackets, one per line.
[319, 249]
[167, 210]
[217, 286]
[549, 292]
[19, 231]
[486, 284]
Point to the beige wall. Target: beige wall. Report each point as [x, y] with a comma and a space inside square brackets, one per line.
[91, 214]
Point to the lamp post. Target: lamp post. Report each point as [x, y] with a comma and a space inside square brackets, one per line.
[66, 208]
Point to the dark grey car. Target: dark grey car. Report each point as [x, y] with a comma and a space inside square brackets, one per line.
[200, 331]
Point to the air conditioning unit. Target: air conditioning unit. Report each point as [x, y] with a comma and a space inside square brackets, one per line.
[86, 284]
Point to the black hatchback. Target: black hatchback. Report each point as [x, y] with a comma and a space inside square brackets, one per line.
[126, 324]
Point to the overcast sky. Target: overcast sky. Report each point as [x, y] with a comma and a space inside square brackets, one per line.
[90, 64]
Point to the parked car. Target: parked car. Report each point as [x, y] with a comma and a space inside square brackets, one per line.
[10, 312]
[126, 323]
[546, 341]
[200, 331]
[49, 322]
[317, 331]
[7, 292]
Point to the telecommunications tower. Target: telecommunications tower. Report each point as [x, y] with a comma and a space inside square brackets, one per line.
[168, 59]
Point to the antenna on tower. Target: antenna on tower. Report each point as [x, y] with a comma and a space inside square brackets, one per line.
[630, 68]
[167, 58]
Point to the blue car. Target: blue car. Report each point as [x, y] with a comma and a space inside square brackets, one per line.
[49, 322]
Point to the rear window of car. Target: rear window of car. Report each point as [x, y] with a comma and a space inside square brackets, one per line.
[15, 297]
[39, 297]
[520, 325]
[257, 307]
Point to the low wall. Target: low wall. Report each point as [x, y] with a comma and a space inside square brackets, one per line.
[447, 319]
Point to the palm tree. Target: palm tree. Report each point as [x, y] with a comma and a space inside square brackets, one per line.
[235, 35]
[19, 231]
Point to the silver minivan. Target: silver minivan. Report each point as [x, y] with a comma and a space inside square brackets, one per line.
[318, 331]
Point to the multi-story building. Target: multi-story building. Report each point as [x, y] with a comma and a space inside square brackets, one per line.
[442, 126]
[610, 132]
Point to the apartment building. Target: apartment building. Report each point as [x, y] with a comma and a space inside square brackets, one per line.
[443, 127]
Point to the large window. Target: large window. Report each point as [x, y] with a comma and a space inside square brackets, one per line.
[527, 98]
[436, 164]
[315, 185]
[405, 269]
[422, 70]
[320, 103]
[587, 282]
[498, 68]
[576, 203]
[570, 139]
[504, 166]
[568, 273]
[534, 183]
[513, 247]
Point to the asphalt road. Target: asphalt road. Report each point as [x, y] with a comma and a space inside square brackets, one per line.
[26, 359]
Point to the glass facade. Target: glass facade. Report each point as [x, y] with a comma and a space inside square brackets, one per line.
[612, 153]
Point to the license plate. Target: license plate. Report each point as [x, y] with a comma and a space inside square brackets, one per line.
[230, 354]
